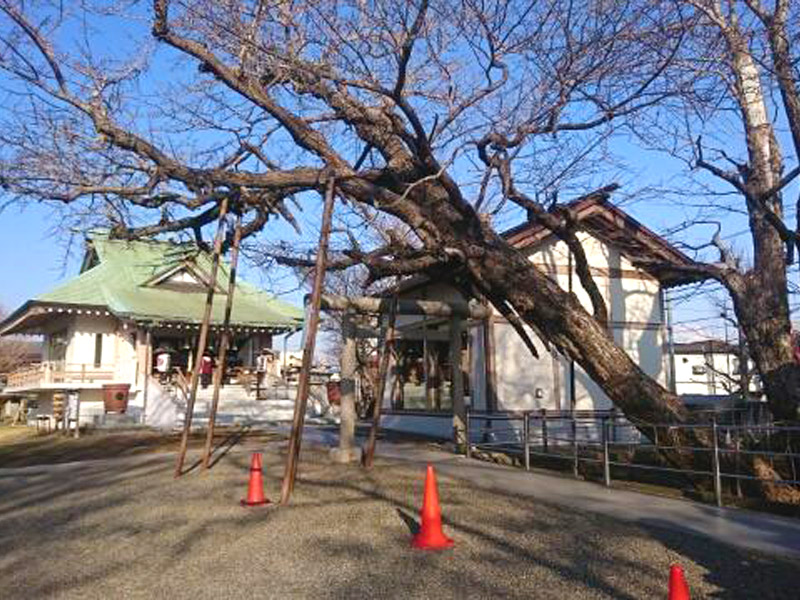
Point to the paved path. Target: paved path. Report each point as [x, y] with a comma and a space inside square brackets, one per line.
[739, 528]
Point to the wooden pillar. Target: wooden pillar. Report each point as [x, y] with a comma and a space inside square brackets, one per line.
[429, 366]
[383, 372]
[457, 384]
[148, 367]
[296, 436]
[224, 342]
[489, 363]
[201, 342]
[556, 366]
[347, 450]
[77, 415]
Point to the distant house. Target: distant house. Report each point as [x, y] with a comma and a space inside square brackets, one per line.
[708, 368]
[618, 249]
[131, 301]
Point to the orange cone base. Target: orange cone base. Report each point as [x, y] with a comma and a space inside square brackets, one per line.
[256, 503]
[432, 542]
[432, 538]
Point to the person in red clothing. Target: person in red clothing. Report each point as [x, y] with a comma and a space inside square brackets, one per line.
[206, 370]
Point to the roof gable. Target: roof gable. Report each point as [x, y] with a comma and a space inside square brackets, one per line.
[183, 277]
[595, 215]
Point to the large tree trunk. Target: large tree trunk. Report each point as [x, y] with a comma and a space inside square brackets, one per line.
[499, 272]
[760, 297]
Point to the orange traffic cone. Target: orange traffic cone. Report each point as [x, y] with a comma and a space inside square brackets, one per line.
[431, 536]
[678, 588]
[255, 489]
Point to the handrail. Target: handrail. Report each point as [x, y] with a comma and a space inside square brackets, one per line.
[181, 382]
[562, 434]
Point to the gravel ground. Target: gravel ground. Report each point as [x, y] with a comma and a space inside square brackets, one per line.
[115, 531]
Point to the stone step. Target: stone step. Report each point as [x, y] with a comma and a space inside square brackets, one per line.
[114, 420]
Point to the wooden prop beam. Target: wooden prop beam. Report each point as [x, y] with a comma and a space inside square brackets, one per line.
[430, 308]
[296, 436]
[222, 351]
[203, 338]
[383, 372]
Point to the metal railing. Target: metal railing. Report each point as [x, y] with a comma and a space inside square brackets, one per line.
[605, 438]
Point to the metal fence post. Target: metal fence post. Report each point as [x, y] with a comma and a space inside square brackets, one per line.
[606, 465]
[526, 442]
[574, 446]
[468, 444]
[717, 477]
[544, 430]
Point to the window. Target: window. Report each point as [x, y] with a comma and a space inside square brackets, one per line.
[98, 349]
[423, 371]
[698, 370]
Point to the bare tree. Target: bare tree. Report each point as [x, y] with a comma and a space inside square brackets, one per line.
[431, 112]
[15, 351]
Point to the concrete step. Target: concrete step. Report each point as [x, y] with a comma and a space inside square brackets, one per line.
[115, 420]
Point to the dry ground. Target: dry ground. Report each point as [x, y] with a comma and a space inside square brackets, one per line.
[23, 446]
[127, 529]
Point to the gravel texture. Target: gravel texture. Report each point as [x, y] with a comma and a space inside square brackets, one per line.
[125, 530]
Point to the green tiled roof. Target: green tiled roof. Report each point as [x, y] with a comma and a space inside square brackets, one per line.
[122, 275]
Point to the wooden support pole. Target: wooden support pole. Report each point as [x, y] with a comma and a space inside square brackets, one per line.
[489, 363]
[201, 342]
[457, 385]
[148, 367]
[222, 351]
[296, 436]
[429, 368]
[383, 373]
[77, 433]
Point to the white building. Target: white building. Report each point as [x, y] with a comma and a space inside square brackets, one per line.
[709, 368]
[418, 394]
[130, 302]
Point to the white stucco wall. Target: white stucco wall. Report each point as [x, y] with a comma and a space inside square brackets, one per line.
[528, 383]
[82, 332]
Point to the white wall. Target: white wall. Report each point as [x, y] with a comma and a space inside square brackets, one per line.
[81, 347]
[528, 383]
[636, 322]
[720, 376]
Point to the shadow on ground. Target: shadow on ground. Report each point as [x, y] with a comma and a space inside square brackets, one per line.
[106, 530]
